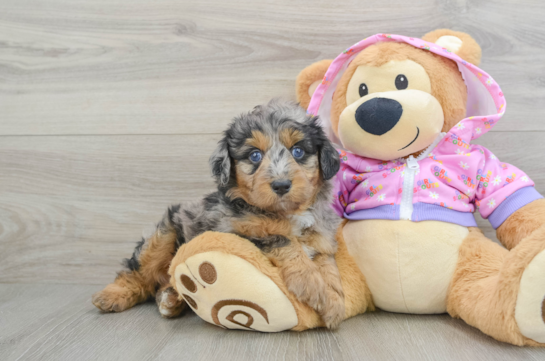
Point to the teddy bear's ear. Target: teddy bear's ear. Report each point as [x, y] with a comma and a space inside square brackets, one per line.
[459, 43]
[308, 80]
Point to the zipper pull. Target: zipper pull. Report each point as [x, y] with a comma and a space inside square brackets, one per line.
[412, 163]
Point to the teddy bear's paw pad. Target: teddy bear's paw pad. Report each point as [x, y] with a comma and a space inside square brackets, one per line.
[230, 292]
[530, 307]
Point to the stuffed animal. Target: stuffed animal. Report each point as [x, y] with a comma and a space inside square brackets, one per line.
[404, 112]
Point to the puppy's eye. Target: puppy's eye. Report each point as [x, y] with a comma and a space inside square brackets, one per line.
[363, 90]
[297, 152]
[401, 82]
[256, 156]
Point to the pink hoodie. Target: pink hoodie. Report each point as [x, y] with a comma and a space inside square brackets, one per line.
[450, 179]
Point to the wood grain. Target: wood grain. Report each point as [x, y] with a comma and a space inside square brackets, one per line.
[64, 325]
[109, 110]
[185, 67]
[71, 207]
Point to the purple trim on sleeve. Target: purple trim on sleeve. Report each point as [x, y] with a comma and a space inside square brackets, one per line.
[434, 212]
[512, 203]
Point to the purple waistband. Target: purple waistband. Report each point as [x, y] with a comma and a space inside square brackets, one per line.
[421, 212]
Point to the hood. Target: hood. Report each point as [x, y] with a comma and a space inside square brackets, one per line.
[485, 100]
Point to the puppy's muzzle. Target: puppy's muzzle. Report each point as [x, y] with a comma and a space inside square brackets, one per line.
[281, 187]
[378, 115]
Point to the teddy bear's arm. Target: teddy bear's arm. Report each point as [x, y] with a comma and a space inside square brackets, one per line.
[522, 223]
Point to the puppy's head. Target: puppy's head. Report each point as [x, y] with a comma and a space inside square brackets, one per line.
[275, 158]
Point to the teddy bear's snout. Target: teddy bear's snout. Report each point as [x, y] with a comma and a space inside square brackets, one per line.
[378, 116]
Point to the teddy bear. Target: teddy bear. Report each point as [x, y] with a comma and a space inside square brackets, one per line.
[403, 112]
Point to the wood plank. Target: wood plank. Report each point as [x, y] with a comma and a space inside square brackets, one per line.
[71, 207]
[81, 203]
[58, 322]
[184, 67]
[157, 82]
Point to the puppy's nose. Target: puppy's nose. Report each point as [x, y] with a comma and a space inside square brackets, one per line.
[378, 115]
[281, 187]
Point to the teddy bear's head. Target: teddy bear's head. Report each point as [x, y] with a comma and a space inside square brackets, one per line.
[394, 99]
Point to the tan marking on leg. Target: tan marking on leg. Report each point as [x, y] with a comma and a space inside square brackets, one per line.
[156, 258]
[128, 289]
[132, 287]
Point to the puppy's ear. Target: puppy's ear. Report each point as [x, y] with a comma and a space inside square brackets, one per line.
[308, 80]
[329, 160]
[459, 43]
[330, 163]
[220, 162]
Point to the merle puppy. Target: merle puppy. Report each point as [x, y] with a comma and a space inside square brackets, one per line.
[272, 169]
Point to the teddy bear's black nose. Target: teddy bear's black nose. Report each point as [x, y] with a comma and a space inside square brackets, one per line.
[378, 115]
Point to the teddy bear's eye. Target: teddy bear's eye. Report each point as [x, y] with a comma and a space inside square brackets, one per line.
[401, 82]
[363, 90]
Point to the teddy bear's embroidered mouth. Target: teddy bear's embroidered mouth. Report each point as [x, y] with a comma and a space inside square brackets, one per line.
[417, 134]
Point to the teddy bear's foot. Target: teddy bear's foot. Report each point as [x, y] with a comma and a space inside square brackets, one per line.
[228, 291]
[170, 304]
[530, 306]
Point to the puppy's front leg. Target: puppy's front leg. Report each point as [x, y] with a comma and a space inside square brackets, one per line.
[301, 275]
[325, 248]
[334, 311]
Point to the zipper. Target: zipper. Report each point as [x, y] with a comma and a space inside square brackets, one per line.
[406, 206]
[411, 169]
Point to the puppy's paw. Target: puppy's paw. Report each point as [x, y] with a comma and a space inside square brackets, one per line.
[169, 303]
[113, 298]
[334, 311]
[308, 286]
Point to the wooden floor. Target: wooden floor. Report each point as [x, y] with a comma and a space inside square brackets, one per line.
[109, 110]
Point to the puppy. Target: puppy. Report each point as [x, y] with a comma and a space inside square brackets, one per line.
[272, 168]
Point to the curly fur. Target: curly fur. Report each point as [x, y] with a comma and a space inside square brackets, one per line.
[246, 204]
